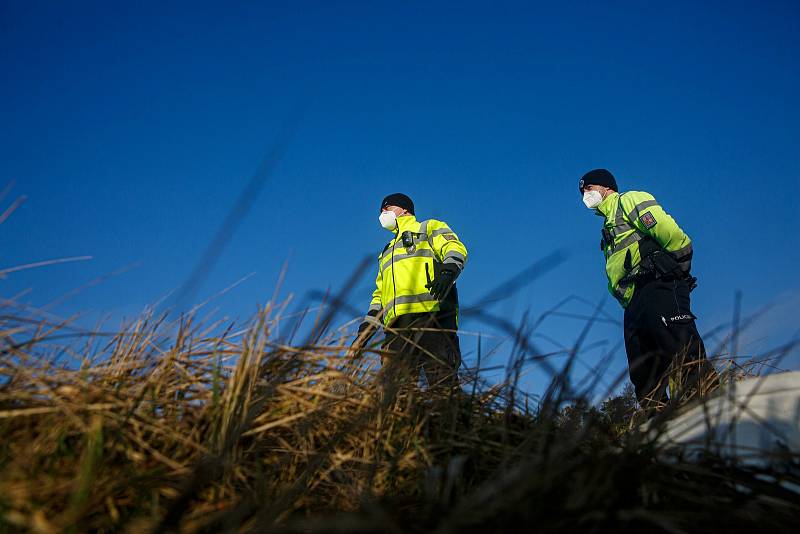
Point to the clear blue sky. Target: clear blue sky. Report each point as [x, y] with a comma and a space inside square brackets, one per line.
[132, 128]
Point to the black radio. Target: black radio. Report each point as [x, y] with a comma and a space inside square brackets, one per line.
[408, 239]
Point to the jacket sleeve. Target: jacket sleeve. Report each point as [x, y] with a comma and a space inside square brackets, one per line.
[374, 308]
[649, 217]
[375, 303]
[447, 247]
[367, 327]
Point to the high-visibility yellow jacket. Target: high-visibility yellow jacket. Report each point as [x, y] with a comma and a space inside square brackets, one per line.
[404, 271]
[629, 218]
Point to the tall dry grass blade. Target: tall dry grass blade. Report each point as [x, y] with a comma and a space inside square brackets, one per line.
[12, 208]
[45, 263]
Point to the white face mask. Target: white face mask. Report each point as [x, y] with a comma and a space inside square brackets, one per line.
[388, 220]
[592, 199]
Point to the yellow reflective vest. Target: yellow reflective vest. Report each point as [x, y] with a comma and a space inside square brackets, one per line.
[629, 218]
[403, 271]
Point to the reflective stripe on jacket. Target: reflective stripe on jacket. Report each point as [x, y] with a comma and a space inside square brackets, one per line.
[403, 271]
[629, 217]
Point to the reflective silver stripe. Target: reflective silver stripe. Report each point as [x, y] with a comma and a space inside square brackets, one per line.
[388, 251]
[410, 299]
[641, 206]
[619, 220]
[622, 228]
[620, 224]
[681, 252]
[456, 256]
[625, 243]
[419, 253]
[619, 217]
[374, 307]
[441, 231]
[419, 238]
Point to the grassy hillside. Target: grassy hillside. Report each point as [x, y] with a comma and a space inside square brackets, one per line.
[184, 427]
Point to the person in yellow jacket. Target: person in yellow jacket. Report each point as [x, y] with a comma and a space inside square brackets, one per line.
[415, 297]
[648, 265]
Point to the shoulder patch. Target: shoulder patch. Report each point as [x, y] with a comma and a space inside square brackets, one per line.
[449, 237]
[648, 220]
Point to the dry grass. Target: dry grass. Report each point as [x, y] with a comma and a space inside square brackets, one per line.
[176, 427]
[191, 428]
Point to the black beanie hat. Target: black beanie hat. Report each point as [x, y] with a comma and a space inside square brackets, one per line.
[598, 177]
[400, 200]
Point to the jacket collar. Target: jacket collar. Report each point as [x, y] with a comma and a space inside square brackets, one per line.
[607, 206]
[405, 222]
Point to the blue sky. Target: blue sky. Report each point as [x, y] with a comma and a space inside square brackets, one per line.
[132, 128]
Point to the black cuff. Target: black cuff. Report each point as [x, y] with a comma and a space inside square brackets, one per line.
[366, 324]
[451, 268]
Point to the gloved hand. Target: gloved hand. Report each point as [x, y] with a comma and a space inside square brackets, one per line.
[365, 331]
[443, 281]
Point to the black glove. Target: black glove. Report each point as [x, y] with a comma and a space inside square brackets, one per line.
[443, 280]
[365, 329]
